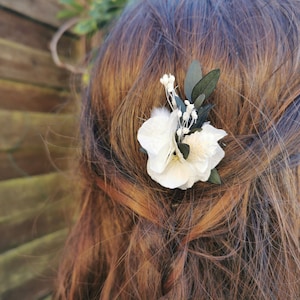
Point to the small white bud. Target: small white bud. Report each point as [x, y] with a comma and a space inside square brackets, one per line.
[187, 102]
[164, 80]
[185, 130]
[186, 116]
[171, 78]
[179, 132]
[194, 115]
[179, 114]
[190, 108]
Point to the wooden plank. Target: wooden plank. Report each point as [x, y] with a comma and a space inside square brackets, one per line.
[17, 29]
[48, 297]
[39, 221]
[35, 130]
[19, 196]
[37, 288]
[29, 162]
[44, 11]
[29, 261]
[18, 62]
[27, 97]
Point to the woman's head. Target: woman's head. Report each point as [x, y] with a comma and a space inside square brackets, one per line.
[137, 240]
[255, 44]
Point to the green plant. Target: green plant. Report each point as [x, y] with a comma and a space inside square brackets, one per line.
[92, 14]
[84, 18]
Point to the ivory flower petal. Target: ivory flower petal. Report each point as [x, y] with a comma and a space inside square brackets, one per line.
[205, 152]
[156, 137]
[175, 175]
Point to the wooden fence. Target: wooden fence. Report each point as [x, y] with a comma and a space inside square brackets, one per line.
[37, 123]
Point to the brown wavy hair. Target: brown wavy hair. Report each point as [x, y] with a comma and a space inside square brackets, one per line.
[134, 239]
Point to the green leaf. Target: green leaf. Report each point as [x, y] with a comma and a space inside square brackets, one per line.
[180, 104]
[202, 115]
[206, 85]
[96, 14]
[199, 101]
[193, 130]
[78, 7]
[85, 26]
[67, 2]
[214, 177]
[184, 149]
[66, 13]
[143, 150]
[194, 75]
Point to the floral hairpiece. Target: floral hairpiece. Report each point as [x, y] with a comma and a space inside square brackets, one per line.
[182, 146]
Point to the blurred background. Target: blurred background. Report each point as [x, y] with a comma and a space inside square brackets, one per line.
[46, 51]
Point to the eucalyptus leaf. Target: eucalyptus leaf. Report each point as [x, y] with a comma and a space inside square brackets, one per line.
[206, 85]
[184, 149]
[180, 104]
[214, 177]
[202, 115]
[193, 130]
[194, 75]
[143, 150]
[199, 101]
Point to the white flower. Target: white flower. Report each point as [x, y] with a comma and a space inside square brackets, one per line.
[166, 164]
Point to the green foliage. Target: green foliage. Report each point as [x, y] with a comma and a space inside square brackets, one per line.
[180, 104]
[197, 89]
[93, 14]
[184, 149]
[193, 76]
[206, 85]
[214, 177]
